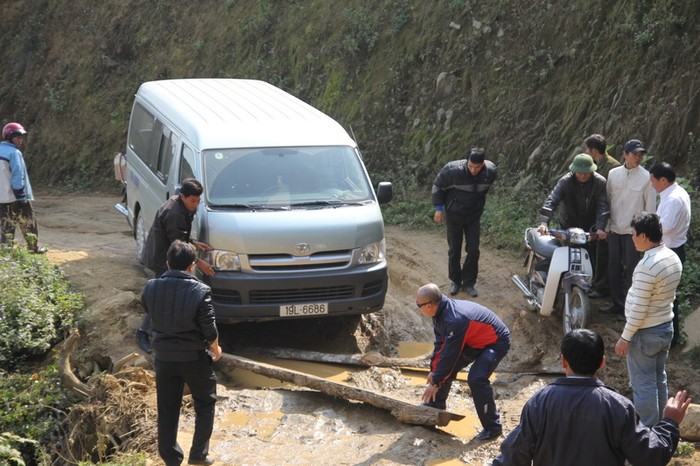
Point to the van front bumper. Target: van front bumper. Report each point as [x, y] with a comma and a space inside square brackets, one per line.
[244, 297]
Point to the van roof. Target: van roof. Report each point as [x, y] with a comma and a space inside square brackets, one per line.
[224, 113]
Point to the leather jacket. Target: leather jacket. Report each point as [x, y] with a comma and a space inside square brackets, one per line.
[182, 315]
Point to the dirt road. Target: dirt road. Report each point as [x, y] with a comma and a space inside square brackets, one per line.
[92, 243]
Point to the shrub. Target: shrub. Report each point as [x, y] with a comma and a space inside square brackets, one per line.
[37, 306]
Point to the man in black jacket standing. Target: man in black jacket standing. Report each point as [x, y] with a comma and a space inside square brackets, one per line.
[459, 196]
[185, 342]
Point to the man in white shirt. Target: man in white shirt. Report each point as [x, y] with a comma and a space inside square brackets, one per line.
[674, 211]
[648, 330]
[629, 193]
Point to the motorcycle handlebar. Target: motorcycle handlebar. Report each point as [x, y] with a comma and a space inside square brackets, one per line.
[566, 234]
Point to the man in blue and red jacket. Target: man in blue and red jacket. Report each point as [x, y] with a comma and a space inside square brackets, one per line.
[465, 333]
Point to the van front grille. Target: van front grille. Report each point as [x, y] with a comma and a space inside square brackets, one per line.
[302, 295]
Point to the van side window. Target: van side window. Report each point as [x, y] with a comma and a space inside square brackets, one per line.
[165, 155]
[186, 163]
[141, 132]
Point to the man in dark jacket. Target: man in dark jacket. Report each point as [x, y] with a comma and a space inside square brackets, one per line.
[185, 341]
[465, 333]
[583, 202]
[173, 221]
[459, 196]
[582, 192]
[577, 420]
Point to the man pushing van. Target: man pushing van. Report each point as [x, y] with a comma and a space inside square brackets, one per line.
[173, 221]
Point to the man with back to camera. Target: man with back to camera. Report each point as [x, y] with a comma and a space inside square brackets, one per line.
[459, 196]
[186, 342]
[629, 193]
[648, 330]
[465, 333]
[674, 211]
[597, 147]
[15, 190]
[578, 421]
[173, 221]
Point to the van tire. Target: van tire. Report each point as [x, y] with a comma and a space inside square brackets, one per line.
[140, 235]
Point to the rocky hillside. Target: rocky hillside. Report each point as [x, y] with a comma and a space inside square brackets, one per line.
[417, 82]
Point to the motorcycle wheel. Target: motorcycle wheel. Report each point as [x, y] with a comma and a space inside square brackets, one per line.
[577, 310]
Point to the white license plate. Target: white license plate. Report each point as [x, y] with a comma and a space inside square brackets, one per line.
[308, 309]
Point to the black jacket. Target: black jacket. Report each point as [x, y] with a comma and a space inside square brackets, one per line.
[173, 221]
[585, 204]
[462, 195]
[182, 316]
[579, 421]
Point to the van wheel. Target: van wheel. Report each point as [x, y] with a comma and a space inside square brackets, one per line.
[140, 234]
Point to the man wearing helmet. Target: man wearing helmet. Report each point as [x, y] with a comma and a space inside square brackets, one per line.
[15, 189]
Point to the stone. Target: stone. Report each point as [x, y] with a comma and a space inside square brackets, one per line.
[691, 327]
[690, 427]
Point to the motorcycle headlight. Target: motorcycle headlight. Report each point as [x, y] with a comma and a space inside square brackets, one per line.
[372, 253]
[577, 236]
[225, 261]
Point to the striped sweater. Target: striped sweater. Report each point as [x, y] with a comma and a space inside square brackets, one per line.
[650, 298]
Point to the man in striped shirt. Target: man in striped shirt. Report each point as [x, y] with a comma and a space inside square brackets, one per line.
[648, 330]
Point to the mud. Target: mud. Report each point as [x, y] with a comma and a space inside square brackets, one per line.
[92, 243]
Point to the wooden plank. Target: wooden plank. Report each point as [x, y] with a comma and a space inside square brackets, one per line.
[402, 410]
[368, 359]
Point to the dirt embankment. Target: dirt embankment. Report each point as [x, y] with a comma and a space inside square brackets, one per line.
[91, 241]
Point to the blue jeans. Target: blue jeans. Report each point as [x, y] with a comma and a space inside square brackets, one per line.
[646, 365]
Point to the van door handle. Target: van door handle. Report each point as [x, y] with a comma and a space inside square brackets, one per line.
[167, 196]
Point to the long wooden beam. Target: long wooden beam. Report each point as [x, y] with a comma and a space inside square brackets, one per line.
[402, 410]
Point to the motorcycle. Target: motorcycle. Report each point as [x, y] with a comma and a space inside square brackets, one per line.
[559, 273]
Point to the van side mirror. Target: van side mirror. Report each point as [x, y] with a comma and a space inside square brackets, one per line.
[384, 192]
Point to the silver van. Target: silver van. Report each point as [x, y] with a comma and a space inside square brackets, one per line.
[288, 205]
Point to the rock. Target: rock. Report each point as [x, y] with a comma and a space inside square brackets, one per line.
[445, 84]
[690, 427]
[691, 326]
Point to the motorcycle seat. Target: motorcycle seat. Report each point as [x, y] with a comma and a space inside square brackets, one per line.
[543, 245]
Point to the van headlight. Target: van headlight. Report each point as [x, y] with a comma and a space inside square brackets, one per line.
[225, 261]
[372, 253]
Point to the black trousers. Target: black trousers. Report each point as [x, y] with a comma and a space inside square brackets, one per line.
[171, 377]
[19, 213]
[463, 274]
[622, 259]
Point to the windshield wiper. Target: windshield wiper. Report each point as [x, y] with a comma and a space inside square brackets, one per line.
[333, 203]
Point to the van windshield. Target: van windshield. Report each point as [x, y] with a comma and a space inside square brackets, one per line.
[285, 177]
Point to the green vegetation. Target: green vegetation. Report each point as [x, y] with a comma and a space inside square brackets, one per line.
[684, 449]
[37, 308]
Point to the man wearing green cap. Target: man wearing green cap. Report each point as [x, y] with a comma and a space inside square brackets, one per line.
[585, 202]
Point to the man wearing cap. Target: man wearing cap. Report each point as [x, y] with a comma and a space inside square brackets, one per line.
[459, 196]
[585, 203]
[629, 193]
[596, 145]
